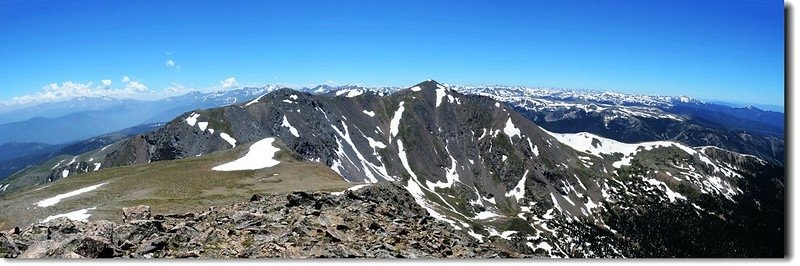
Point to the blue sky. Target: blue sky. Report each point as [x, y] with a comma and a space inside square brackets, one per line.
[725, 50]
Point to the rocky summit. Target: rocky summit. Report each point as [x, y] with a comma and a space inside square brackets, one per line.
[376, 221]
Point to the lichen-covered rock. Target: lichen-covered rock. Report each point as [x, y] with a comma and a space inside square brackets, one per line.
[136, 213]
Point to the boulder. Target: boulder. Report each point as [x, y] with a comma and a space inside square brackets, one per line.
[136, 213]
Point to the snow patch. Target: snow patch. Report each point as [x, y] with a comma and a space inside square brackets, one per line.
[291, 128]
[394, 126]
[55, 200]
[518, 192]
[192, 119]
[261, 155]
[441, 92]
[413, 186]
[511, 129]
[202, 125]
[79, 215]
[477, 236]
[369, 113]
[672, 195]
[228, 138]
[485, 215]
[254, 101]
[350, 93]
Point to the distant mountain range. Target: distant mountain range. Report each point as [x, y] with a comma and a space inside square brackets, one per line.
[18, 156]
[55, 123]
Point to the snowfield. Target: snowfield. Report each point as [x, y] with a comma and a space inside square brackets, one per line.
[55, 200]
[261, 155]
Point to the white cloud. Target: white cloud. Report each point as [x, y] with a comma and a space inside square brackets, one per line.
[170, 63]
[229, 83]
[134, 86]
[126, 79]
[54, 92]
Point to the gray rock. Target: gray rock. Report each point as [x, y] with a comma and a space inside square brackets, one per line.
[136, 213]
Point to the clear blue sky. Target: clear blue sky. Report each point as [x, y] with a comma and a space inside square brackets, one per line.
[726, 50]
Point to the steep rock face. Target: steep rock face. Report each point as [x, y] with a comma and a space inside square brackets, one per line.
[487, 171]
[376, 221]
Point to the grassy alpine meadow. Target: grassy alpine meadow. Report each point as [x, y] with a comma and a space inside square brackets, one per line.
[186, 185]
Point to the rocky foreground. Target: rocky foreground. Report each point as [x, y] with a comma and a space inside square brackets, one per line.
[377, 221]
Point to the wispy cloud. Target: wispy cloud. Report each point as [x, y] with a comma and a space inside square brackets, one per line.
[106, 82]
[175, 88]
[171, 64]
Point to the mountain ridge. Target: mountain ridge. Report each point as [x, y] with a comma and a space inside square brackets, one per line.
[481, 167]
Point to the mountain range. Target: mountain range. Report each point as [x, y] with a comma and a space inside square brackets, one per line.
[553, 174]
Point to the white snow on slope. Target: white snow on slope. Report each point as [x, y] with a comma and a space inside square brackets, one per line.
[202, 125]
[65, 173]
[485, 215]
[369, 113]
[291, 128]
[367, 167]
[518, 192]
[192, 119]
[511, 130]
[416, 88]
[79, 215]
[477, 236]
[451, 176]
[394, 126]
[672, 195]
[415, 188]
[353, 188]
[254, 101]
[59, 163]
[55, 200]
[534, 148]
[228, 138]
[261, 155]
[441, 92]
[598, 146]
[375, 145]
[350, 92]
[504, 235]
